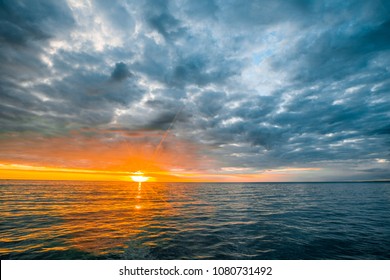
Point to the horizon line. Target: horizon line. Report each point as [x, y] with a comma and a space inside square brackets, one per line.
[210, 182]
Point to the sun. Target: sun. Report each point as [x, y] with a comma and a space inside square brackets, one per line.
[138, 177]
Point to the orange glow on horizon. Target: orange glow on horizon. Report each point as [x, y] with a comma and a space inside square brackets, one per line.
[94, 155]
[26, 172]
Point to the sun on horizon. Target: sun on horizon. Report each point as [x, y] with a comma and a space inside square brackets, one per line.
[139, 177]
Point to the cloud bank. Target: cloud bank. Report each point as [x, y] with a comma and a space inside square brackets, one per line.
[249, 87]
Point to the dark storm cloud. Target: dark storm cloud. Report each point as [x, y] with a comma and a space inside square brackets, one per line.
[73, 92]
[121, 72]
[327, 52]
[166, 120]
[160, 17]
[258, 84]
[200, 70]
[26, 21]
[209, 103]
[352, 40]
[166, 25]
[25, 27]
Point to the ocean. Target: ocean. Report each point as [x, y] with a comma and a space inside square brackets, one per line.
[122, 220]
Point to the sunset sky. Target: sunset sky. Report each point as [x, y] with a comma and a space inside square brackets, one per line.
[195, 90]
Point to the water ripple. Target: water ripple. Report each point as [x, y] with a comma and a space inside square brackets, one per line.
[90, 220]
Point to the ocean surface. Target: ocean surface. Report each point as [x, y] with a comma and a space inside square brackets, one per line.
[122, 220]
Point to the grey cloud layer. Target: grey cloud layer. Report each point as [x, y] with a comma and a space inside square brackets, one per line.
[262, 84]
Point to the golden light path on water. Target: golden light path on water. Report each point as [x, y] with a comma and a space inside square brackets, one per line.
[140, 178]
[95, 217]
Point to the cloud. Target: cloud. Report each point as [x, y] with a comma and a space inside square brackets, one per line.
[117, 14]
[254, 85]
[26, 21]
[121, 72]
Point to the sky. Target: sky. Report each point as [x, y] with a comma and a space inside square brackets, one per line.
[195, 90]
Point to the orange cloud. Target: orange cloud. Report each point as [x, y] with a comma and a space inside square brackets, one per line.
[102, 156]
[115, 155]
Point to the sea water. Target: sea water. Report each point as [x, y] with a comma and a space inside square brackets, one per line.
[125, 220]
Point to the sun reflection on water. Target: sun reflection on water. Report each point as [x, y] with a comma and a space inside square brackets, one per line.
[96, 218]
[138, 197]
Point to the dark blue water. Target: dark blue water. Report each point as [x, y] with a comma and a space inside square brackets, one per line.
[121, 220]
